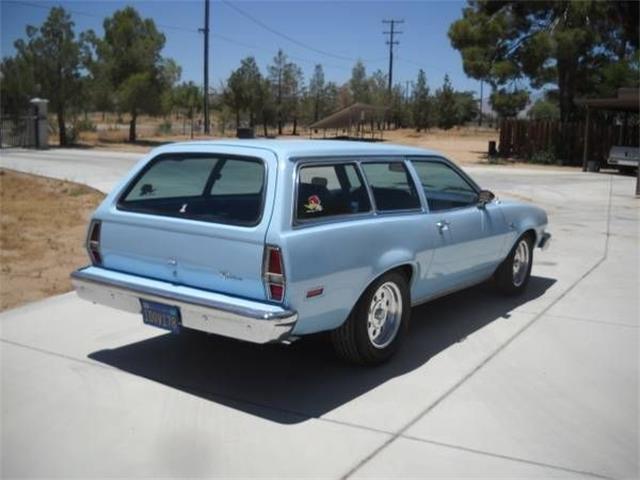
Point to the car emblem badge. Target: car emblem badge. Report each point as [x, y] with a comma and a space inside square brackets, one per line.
[228, 275]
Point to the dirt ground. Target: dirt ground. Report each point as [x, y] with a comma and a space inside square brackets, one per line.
[42, 230]
[466, 145]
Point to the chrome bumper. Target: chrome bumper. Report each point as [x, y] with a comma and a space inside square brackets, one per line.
[545, 240]
[210, 312]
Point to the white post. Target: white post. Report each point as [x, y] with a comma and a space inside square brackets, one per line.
[42, 123]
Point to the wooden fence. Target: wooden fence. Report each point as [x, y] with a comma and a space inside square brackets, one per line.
[524, 138]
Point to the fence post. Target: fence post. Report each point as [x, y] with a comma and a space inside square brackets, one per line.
[41, 130]
[585, 150]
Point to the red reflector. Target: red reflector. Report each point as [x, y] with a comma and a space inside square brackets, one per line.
[275, 262]
[315, 292]
[276, 291]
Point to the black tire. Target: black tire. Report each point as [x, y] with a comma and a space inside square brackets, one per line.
[505, 279]
[352, 341]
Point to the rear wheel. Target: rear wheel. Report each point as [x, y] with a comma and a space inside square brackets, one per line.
[377, 324]
[514, 272]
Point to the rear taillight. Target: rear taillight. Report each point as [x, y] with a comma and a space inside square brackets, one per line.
[273, 273]
[93, 242]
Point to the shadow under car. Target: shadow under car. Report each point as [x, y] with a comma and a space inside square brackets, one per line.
[290, 384]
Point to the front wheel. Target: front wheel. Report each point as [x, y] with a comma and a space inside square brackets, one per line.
[514, 272]
[377, 324]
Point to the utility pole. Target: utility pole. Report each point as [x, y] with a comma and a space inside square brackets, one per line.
[481, 101]
[391, 42]
[205, 30]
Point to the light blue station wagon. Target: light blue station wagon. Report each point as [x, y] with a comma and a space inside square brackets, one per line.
[267, 241]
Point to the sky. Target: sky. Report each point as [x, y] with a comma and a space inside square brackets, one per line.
[335, 34]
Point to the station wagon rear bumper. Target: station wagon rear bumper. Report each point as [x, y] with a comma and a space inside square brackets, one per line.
[202, 310]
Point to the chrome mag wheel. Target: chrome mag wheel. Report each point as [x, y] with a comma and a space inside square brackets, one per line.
[521, 260]
[385, 315]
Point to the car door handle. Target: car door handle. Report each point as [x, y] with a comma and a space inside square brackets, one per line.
[443, 225]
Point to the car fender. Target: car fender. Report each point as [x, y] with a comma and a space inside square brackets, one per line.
[522, 217]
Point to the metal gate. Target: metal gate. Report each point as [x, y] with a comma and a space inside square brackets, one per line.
[20, 130]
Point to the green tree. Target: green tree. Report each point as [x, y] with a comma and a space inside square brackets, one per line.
[332, 99]
[359, 85]
[421, 103]
[233, 95]
[53, 55]
[466, 107]
[265, 105]
[293, 84]
[508, 103]
[130, 54]
[398, 110]
[317, 91]
[243, 92]
[17, 85]
[276, 77]
[544, 109]
[568, 43]
[188, 99]
[446, 105]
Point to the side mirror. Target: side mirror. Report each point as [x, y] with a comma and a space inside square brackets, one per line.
[484, 197]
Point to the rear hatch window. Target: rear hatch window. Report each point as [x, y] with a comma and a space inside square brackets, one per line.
[210, 188]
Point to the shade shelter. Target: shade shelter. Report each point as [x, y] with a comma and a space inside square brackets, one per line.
[359, 120]
[627, 101]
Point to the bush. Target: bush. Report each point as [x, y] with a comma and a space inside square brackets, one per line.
[545, 157]
[84, 125]
[164, 128]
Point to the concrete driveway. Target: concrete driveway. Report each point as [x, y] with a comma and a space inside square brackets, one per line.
[485, 386]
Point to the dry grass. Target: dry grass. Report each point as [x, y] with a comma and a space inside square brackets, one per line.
[42, 229]
[466, 145]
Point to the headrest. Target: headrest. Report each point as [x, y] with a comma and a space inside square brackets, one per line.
[319, 181]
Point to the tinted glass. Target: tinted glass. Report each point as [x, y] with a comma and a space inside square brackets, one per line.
[329, 190]
[214, 189]
[392, 186]
[444, 187]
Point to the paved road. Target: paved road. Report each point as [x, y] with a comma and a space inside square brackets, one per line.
[543, 385]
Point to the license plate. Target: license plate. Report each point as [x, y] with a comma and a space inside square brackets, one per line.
[161, 315]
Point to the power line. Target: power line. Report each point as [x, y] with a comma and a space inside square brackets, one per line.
[95, 15]
[197, 31]
[289, 38]
[391, 42]
[421, 65]
[233, 41]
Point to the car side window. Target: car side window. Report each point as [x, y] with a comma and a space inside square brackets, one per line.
[444, 187]
[330, 190]
[238, 177]
[392, 186]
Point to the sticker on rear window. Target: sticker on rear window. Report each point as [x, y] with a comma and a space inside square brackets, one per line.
[313, 204]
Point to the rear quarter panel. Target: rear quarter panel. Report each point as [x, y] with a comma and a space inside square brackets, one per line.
[343, 257]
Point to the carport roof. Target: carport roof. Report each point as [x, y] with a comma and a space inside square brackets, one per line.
[627, 100]
[352, 115]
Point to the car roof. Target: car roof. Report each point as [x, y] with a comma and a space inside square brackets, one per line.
[294, 149]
